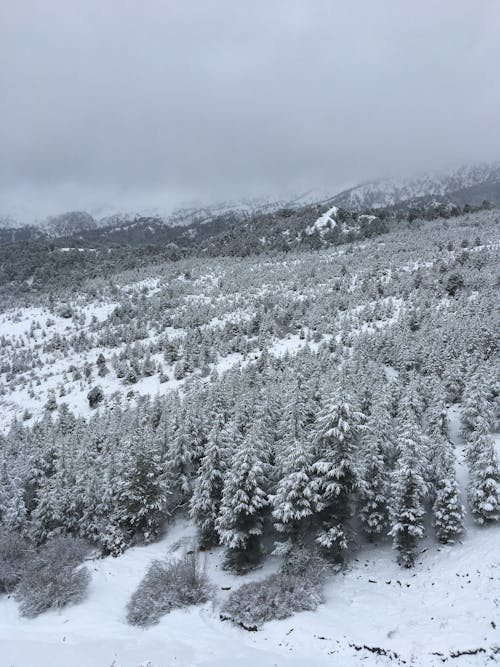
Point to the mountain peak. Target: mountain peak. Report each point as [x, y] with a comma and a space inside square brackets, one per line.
[469, 184]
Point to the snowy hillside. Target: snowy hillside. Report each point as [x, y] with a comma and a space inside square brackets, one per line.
[470, 179]
[72, 222]
[317, 426]
[445, 611]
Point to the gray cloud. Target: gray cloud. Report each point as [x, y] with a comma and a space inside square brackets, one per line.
[131, 102]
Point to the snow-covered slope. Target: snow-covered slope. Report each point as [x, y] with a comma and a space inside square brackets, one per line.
[390, 192]
[446, 610]
[71, 222]
[375, 614]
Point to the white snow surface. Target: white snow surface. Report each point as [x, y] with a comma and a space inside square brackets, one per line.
[381, 193]
[447, 603]
[324, 221]
[374, 613]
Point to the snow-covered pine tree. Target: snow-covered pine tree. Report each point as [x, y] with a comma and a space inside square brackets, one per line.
[143, 493]
[294, 499]
[12, 507]
[448, 511]
[409, 491]
[453, 380]
[48, 518]
[374, 474]
[334, 470]
[207, 495]
[244, 500]
[484, 484]
[179, 464]
[98, 484]
[477, 410]
[192, 420]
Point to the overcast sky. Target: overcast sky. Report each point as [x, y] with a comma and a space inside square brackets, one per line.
[137, 103]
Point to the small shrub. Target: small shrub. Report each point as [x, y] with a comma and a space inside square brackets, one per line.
[66, 312]
[52, 578]
[64, 550]
[15, 553]
[454, 283]
[51, 404]
[296, 587]
[95, 396]
[51, 587]
[167, 586]
[244, 560]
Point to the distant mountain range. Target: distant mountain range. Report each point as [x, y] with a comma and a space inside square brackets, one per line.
[73, 222]
[471, 184]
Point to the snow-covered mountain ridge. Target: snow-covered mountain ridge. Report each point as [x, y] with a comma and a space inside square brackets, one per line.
[71, 222]
[454, 184]
[468, 184]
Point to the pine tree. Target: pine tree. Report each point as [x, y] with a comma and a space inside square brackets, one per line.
[207, 494]
[484, 491]
[448, 511]
[409, 490]
[143, 492]
[477, 412]
[334, 471]
[179, 464]
[192, 420]
[99, 482]
[49, 518]
[295, 498]
[374, 482]
[244, 499]
[12, 507]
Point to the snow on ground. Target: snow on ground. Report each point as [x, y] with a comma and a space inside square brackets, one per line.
[324, 221]
[446, 610]
[448, 603]
[150, 285]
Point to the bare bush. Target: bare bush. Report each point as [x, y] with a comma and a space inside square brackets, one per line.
[64, 550]
[53, 578]
[296, 587]
[167, 586]
[15, 552]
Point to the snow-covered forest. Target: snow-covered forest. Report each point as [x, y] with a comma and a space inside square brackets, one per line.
[278, 419]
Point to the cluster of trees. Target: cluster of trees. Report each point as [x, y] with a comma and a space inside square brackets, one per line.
[293, 451]
[345, 434]
[199, 312]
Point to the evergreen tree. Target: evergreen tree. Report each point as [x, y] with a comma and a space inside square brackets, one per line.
[179, 464]
[192, 420]
[477, 411]
[484, 492]
[374, 482]
[334, 471]
[294, 500]
[409, 491]
[12, 507]
[143, 493]
[448, 512]
[244, 499]
[207, 494]
[48, 518]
